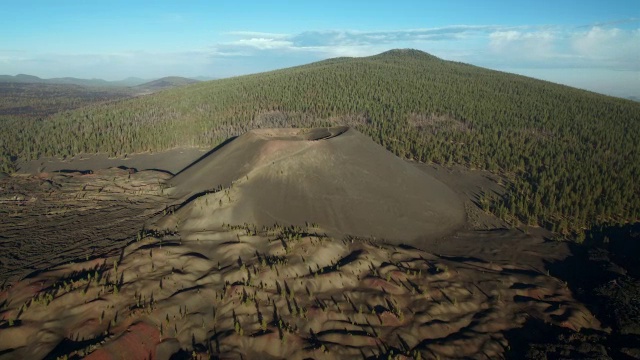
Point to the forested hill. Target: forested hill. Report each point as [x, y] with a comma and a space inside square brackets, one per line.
[573, 156]
[164, 83]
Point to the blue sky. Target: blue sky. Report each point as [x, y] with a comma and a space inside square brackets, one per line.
[588, 44]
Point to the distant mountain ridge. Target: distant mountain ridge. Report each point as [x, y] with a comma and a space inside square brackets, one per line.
[127, 82]
[25, 78]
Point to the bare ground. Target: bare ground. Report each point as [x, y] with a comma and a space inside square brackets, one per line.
[130, 277]
[280, 292]
[54, 218]
[171, 161]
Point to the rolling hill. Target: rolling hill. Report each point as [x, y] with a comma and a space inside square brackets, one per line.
[164, 83]
[27, 100]
[30, 98]
[569, 156]
[31, 79]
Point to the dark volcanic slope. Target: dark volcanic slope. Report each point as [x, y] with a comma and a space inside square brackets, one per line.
[335, 177]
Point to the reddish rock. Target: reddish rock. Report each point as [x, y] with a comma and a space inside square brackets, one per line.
[138, 342]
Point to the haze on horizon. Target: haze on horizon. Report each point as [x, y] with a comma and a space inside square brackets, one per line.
[591, 45]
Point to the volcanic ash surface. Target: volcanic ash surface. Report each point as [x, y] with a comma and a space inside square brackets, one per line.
[335, 177]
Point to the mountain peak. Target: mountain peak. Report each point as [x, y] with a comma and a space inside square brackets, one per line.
[406, 53]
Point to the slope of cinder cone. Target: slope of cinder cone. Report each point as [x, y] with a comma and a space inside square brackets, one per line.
[334, 177]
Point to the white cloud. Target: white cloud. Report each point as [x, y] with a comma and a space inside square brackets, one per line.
[591, 41]
[257, 34]
[335, 43]
[612, 47]
[263, 43]
[318, 39]
[594, 47]
[524, 44]
[498, 38]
